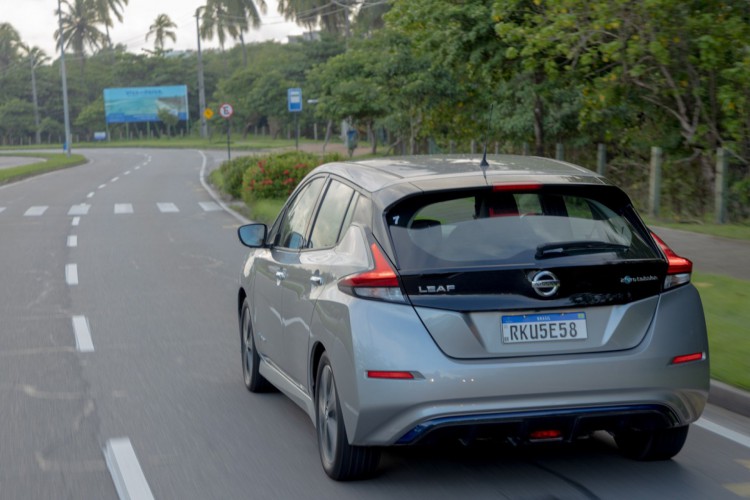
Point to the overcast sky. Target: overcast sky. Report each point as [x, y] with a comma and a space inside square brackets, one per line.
[36, 22]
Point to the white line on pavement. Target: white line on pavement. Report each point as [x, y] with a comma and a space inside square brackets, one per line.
[724, 432]
[90, 195]
[102, 186]
[114, 179]
[83, 334]
[75, 221]
[35, 211]
[72, 241]
[167, 207]
[126, 472]
[71, 274]
[123, 208]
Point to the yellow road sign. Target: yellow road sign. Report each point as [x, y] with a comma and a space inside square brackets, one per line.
[208, 113]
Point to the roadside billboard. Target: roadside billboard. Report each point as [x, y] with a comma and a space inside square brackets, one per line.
[142, 104]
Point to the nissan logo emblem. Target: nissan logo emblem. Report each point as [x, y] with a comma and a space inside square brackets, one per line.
[545, 283]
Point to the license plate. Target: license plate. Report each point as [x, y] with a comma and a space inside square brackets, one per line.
[544, 327]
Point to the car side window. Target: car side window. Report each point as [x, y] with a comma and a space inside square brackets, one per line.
[297, 217]
[333, 209]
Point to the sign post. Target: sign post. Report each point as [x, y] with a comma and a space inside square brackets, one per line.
[226, 111]
[294, 105]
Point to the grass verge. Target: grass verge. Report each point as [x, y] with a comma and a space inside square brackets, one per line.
[47, 163]
[725, 303]
[734, 231]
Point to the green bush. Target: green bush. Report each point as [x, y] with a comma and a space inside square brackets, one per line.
[231, 173]
[276, 176]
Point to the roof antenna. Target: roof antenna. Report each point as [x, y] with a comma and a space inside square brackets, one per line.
[483, 164]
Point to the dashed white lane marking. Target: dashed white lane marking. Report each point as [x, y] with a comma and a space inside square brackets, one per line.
[127, 172]
[90, 195]
[75, 221]
[35, 211]
[123, 208]
[72, 241]
[114, 179]
[210, 206]
[126, 472]
[102, 186]
[724, 432]
[81, 209]
[167, 207]
[138, 167]
[71, 274]
[82, 333]
[2, 209]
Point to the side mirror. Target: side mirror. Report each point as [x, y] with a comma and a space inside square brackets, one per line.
[253, 235]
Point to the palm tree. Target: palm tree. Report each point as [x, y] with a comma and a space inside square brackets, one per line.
[161, 30]
[105, 9]
[9, 41]
[79, 27]
[231, 18]
[332, 16]
[36, 57]
[245, 13]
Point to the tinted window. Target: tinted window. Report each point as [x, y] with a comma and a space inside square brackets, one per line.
[505, 228]
[331, 215]
[297, 217]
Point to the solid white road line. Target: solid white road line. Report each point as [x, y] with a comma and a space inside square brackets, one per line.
[35, 211]
[75, 221]
[724, 432]
[123, 208]
[83, 334]
[72, 241]
[71, 274]
[126, 472]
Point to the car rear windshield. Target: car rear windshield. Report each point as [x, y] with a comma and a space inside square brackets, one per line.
[545, 226]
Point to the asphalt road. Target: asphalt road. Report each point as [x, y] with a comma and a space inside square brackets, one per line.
[120, 364]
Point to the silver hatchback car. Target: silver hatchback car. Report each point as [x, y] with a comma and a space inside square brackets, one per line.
[410, 300]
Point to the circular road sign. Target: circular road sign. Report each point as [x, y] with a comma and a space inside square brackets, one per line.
[226, 110]
[208, 113]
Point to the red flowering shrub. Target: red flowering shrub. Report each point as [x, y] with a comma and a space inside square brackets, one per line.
[276, 176]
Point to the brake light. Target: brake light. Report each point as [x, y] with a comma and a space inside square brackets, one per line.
[679, 268]
[379, 283]
[687, 358]
[528, 186]
[547, 434]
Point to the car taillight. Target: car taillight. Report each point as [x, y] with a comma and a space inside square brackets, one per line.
[679, 268]
[379, 283]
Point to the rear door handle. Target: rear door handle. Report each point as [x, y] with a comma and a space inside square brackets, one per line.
[280, 276]
[316, 280]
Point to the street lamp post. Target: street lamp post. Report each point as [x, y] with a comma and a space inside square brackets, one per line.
[66, 112]
[201, 85]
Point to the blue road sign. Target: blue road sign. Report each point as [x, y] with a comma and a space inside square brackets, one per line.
[294, 100]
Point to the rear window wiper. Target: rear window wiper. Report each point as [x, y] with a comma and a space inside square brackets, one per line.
[567, 248]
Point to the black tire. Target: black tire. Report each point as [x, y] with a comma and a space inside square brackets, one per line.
[254, 381]
[661, 444]
[341, 461]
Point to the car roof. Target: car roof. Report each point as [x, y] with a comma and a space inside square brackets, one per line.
[389, 179]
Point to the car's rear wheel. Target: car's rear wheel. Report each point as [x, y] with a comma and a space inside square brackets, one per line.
[660, 444]
[341, 461]
[254, 381]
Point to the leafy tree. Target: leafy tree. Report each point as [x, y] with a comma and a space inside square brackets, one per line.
[16, 120]
[161, 30]
[333, 17]
[169, 118]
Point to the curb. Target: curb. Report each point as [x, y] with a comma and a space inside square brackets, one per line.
[730, 398]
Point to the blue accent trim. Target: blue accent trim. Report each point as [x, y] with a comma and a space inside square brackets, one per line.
[422, 429]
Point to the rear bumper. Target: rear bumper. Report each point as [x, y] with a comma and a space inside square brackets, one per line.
[637, 388]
